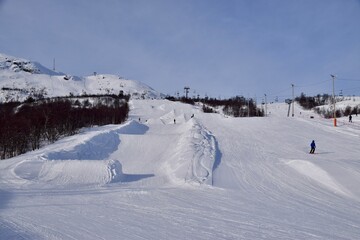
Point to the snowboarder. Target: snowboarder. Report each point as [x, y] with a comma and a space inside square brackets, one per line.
[313, 146]
[350, 118]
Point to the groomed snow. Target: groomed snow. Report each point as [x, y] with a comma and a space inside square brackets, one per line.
[202, 177]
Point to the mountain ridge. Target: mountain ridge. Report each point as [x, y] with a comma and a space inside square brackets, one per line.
[21, 79]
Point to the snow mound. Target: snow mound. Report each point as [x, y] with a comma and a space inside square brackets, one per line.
[194, 156]
[84, 161]
[317, 174]
[70, 172]
[133, 128]
[170, 117]
[82, 172]
[99, 146]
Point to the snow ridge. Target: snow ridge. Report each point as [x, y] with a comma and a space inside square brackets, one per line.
[21, 78]
[198, 148]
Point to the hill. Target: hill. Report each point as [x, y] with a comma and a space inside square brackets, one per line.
[21, 78]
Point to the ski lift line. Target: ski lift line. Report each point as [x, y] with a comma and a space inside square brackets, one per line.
[278, 96]
[276, 93]
[353, 88]
[313, 84]
[349, 79]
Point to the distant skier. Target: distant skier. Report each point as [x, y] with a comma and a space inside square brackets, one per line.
[350, 118]
[174, 121]
[313, 146]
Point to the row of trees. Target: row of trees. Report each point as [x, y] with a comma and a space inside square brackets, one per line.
[26, 126]
[311, 102]
[237, 106]
[328, 113]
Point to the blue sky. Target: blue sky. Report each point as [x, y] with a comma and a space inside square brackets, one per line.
[219, 48]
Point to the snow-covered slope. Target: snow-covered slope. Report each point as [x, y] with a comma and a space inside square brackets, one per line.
[20, 78]
[22, 65]
[202, 177]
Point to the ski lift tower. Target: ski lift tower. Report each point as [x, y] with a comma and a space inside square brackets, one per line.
[333, 78]
[288, 101]
[293, 100]
[265, 106]
[186, 90]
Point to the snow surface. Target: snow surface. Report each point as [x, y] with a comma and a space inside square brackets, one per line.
[206, 177]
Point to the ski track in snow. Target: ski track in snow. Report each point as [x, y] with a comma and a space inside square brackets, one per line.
[203, 177]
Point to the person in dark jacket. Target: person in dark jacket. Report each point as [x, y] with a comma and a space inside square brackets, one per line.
[313, 146]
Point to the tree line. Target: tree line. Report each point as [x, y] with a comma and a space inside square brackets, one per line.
[310, 102]
[26, 126]
[237, 106]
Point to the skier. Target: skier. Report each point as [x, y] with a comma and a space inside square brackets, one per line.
[313, 146]
[350, 118]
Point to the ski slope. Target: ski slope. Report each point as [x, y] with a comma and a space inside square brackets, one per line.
[204, 177]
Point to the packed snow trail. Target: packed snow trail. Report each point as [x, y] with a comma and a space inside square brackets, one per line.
[205, 177]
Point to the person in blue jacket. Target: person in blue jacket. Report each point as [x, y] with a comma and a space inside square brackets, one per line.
[313, 146]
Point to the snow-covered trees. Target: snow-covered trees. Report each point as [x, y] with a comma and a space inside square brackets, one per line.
[318, 102]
